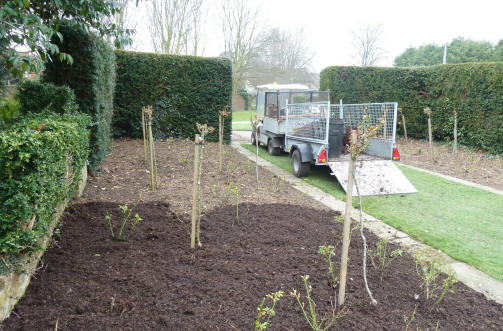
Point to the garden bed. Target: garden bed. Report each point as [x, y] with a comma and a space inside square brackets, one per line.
[468, 164]
[89, 281]
[155, 281]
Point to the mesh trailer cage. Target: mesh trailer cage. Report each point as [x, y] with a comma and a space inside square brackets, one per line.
[308, 121]
[382, 145]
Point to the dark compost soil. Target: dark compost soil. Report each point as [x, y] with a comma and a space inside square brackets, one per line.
[155, 282]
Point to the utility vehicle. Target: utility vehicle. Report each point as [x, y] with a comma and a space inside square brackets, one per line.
[302, 122]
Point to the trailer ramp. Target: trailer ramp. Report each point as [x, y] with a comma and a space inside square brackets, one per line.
[375, 177]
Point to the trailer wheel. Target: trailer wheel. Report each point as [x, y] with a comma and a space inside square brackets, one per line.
[274, 151]
[300, 169]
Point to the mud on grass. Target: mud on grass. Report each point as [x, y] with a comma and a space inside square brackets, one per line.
[155, 282]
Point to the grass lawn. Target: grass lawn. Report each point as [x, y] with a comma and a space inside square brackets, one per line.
[242, 115]
[241, 127]
[464, 222]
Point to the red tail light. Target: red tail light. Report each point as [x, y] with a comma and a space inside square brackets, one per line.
[396, 154]
[322, 157]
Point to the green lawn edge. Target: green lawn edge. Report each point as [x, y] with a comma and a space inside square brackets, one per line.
[464, 222]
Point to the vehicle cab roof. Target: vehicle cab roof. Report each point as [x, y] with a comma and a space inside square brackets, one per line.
[282, 87]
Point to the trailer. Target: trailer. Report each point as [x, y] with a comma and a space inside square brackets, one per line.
[303, 123]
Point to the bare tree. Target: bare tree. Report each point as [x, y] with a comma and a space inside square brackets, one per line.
[367, 44]
[123, 20]
[241, 37]
[283, 57]
[175, 26]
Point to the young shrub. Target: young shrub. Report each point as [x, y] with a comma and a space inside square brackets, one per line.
[265, 314]
[124, 234]
[381, 257]
[408, 320]
[329, 252]
[310, 314]
[428, 271]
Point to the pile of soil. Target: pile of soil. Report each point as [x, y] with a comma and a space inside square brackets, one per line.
[156, 282]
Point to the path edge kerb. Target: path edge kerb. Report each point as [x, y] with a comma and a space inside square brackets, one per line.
[467, 274]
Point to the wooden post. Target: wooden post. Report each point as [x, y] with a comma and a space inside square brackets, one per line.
[198, 198]
[455, 145]
[144, 137]
[220, 140]
[403, 122]
[151, 153]
[156, 180]
[427, 111]
[195, 189]
[256, 157]
[347, 226]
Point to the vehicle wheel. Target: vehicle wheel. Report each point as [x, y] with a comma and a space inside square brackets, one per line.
[274, 151]
[300, 169]
[254, 140]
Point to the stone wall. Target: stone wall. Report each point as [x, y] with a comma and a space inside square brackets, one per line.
[14, 284]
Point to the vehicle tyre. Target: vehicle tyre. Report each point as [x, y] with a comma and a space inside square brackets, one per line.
[274, 151]
[254, 140]
[300, 169]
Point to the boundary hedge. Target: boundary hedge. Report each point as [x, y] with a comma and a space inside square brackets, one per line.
[35, 156]
[182, 89]
[474, 89]
[92, 78]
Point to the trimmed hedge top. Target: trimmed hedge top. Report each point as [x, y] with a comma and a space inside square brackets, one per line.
[35, 96]
[475, 90]
[92, 78]
[183, 90]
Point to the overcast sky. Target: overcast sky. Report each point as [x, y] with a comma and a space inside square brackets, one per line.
[328, 24]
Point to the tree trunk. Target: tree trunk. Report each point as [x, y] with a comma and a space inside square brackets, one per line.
[347, 227]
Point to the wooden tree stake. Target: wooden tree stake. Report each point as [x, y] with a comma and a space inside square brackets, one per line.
[195, 189]
[403, 122]
[427, 111]
[144, 137]
[151, 153]
[347, 226]
[455, 145]
[220, 140]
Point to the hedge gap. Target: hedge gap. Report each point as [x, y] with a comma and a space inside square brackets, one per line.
[182, 89]
[474, 89]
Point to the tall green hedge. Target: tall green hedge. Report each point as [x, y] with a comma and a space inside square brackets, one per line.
[475, 90]
[35, 96]
[92, 78]
[183, 90]
[34, 154]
